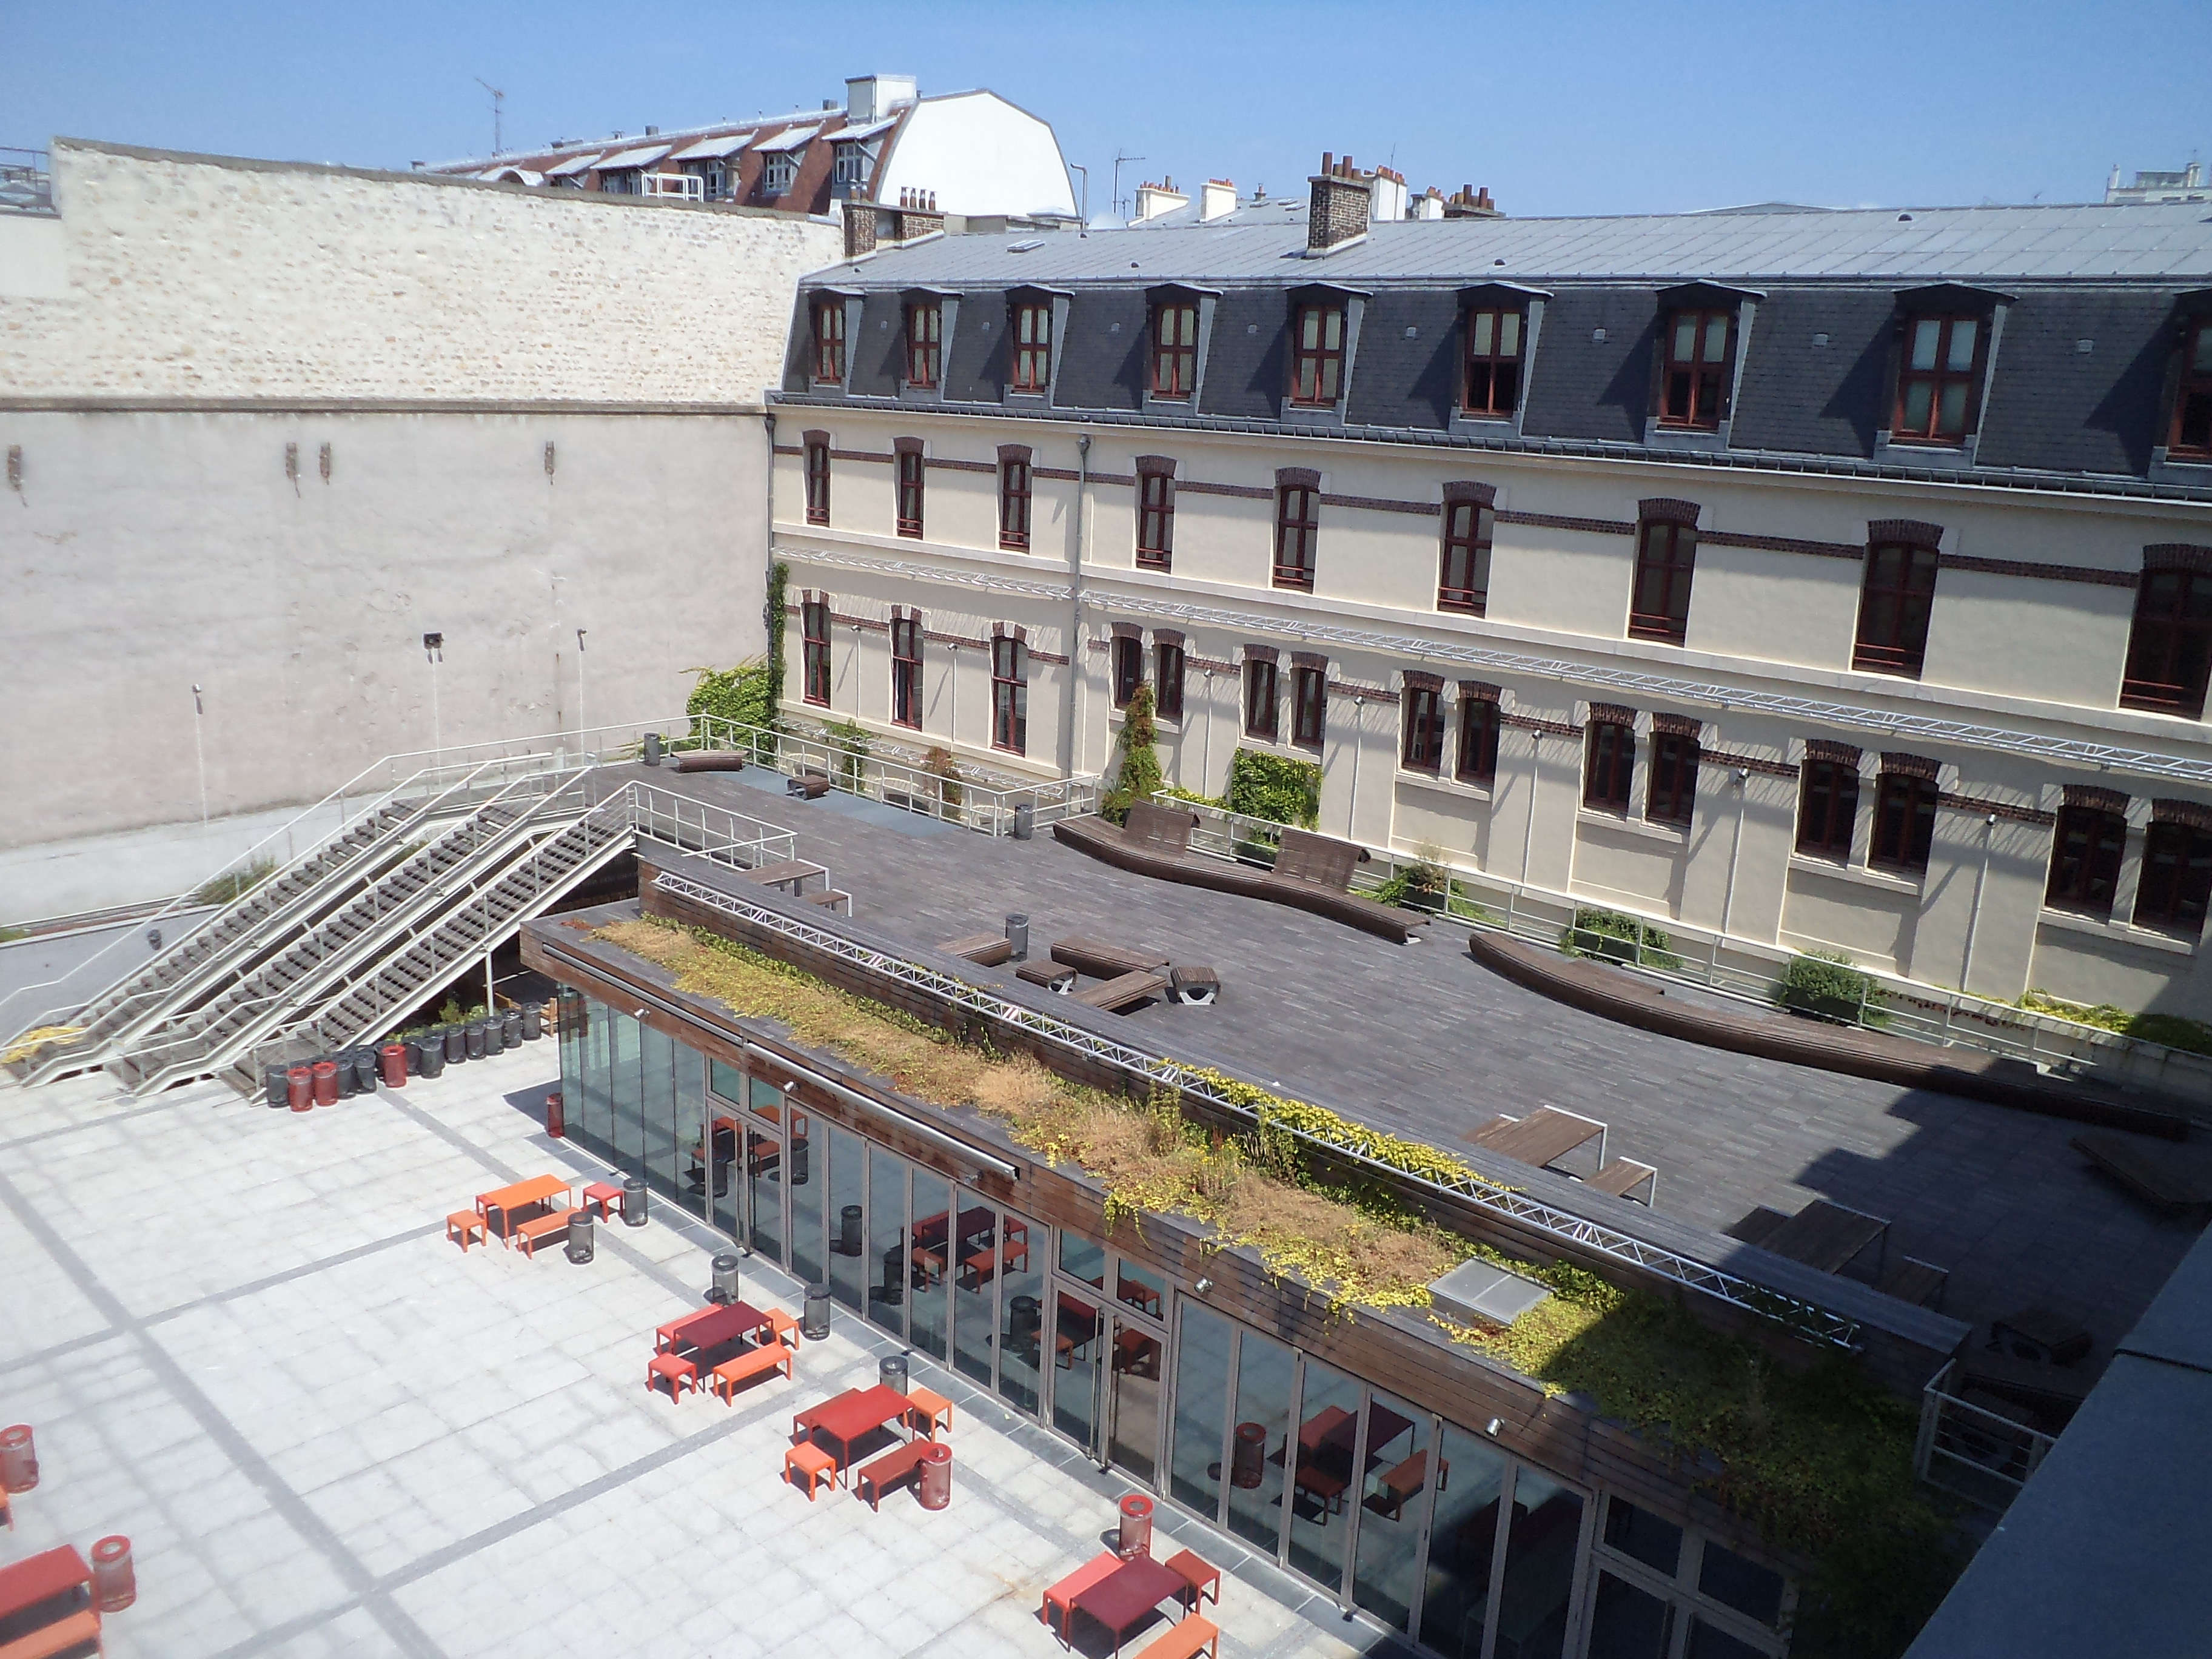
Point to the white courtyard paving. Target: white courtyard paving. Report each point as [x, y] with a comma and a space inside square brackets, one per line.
[244, 1342]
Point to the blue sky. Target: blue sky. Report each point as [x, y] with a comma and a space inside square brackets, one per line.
[1562, 107]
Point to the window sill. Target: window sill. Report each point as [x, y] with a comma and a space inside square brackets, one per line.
[2121, 932]
[1454, 608]
[1889, 671]
[1888, 881]
[1674, 835]
[1444, 785]
[1652, 636]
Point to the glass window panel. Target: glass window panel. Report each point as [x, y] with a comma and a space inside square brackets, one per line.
[1322, 1479]
[1716, 331]
[887, 1240]
[1919, 397]
[1259, 1442]
[1708, 1642]
[1201, 1409]
[1077, 1347]
[1750, 1589]
[1335, 327]
[1509, 334]
[928, 1285]
[1141, 1287]
[766, 1161]
[1080, 1259]
[627, 1090]
[972, 1236]
[804, 1175]
[2203, 359]
[1540, 1567]
[1927, 335]
[1686, 338]
[597, 1045]
[1021, 1318]
[727, 1081]
[1328, 369]
[1962, 347]
[1485, 322]
[1628, 1623]
[1643, 1536]
[1401, 1468]
[690, 1128]
[1954, 409]
[848, 1260]
[1310, 328]
[1463, 1540]
[1135, 1413]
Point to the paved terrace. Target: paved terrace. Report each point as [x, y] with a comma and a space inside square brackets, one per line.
[245, 1343]
[1421, 1040]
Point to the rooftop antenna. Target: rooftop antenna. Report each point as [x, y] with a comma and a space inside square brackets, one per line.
[498, 99]
[1118, 160]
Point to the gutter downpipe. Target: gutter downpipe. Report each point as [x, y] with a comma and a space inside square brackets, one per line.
[1069, 713]
[767, 566]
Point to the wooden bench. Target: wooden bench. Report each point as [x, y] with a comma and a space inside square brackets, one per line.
[80, 1631]
[985, 950]
[808, 785]
[2146, 1177]
[770, 1355]
[1051, 975]
[830, 898]
[1622, 1176]
[1160, 829]
[894, 1467]
[2044, 1387]
[710, 760]
[791, 872]
[1759, 1223]
[1126, 992]
[1194, 983]
[1102, 961]
[530, 1234]
[1920, 1283]
[1193, 1634]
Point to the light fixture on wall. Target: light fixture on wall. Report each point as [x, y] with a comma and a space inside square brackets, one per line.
[1202, 1284]
[16, 469]
[291, 466]
[323, 461]
[1492, 1427]
[548, 457]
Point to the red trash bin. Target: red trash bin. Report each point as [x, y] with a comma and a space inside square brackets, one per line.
[556, 1125]
[934, 1488]
[394, 1056]
[1136, 1528]
[326, 1083]
[114, 1580]
[19, 1458]
[300, 1088]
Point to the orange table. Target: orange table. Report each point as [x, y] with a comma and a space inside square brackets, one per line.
[537, 1190]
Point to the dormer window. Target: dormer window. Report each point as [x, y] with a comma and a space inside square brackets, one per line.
[778, 171]
[1701, 363]
[849, 170]
[1174, 348]
[1937, 380]
[829, 341]
[2192, 437]
[924, 321]
[1032, 345]
[1493, 362]
[1317, 355]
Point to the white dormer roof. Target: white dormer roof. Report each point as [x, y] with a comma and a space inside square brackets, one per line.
[643, 155]
[717, 148]
[797, 138]
[572, 166]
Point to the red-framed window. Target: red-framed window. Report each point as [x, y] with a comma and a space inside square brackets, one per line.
[1700, 361]
[1309, 705]
[1493, 362]
[1032, 346]
[1608, 764]
[2170, 643]
[1827, 809]
[1671, 796]
[1262, 717]
[1894, 602]
[1463, 582]
[1128, 668]
[1666, 560]
[1167, 680]
[1478, 739]
[1936, 384]
[2191, 433]
[818, 482]
[1423, 747]
[906, 671]
[924, 319]
[1014, 503]
[1174, 348]
[829, 342]
[909, 492]
[1317, 355]
[1904, 820]
[1010, 695]
[1155, 517]
[1297, 527]
[2177, 877]
[814, 651]
[2085, 858]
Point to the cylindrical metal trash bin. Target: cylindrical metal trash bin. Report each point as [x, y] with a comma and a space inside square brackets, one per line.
[557, 1120]
[394, 1056]
[434, 1054]
[457, 1044]
[633, 1201]
[581, 1236]
[326, 1082]
[1248, 1457]
[890, 1371]
[652, 748]
[934, 1485]
[848, 1229]
[349, 1080]
[272, 1080]
[19, 1458]
[364, 1071]
[533, 1022]
[814, 1320]
[1024, 822]
[894, 1290]
[1136, 1526]
[114, 1581]
[472, 1038]
[724, 1290]
[494, 1034]
[300, 1088]
[1017, 934]
[510, 1028]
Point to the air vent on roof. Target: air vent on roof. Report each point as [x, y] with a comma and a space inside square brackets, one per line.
[1033, 243]
[2085, 347]
[1497, 262]
[1597, 337]
[1820, 341]
[1412, 333]
[1904, 218]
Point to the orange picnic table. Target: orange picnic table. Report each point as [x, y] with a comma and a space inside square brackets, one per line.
[507, 1200]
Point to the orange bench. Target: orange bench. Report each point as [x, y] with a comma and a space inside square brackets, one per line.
[770, 1355]
[62, 1636]
[1062, 1594]
[887, 1471]
[531, 1234]
[1194, 1635]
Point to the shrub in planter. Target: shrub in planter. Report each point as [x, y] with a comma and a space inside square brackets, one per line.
[1419, 885]
[1824, 983]
[849, 740]
[1139, 774]
[939, 763]
[1616, 936]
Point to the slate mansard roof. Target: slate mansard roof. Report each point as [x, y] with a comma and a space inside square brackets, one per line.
[2091, 296]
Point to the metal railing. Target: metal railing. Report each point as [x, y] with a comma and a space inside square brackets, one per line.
[1745, 969]
[26, 184]
[1973, 1453]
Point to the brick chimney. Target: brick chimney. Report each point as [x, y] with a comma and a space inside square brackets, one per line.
[859, 228]
[1338, 205]
[1217, 199]
[1468, 203]
[1154, 200]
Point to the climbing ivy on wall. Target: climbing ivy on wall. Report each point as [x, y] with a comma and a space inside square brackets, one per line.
[1274, 786]
[1139, 775]
[751, 692]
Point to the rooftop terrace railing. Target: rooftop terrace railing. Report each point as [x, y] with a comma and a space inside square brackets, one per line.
[26, 186]
[1973, 1453]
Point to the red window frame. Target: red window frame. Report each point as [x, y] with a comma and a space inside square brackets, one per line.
[829, 342]
[1904, 820]
[1463, 578]
[1423, 744]
[906, 671]
[1317, 356]
[2086, 848]
[2177, 877]
[1496, 335]
[1032, 346]
[1174, 348]
[909, 492]
[1608, 765]
[1167, 679]
[2191, 435]
[1014, 481]
[1309, 705]
[1297, 527]
[1666, 562]
[1895, 600]
[1128, 668]
[1938, 385]
[1671, 795]
[1828, 809]
[1479, 721]
[1010, 695]
[814, 652]
[1155, 518]
[2170, 643]
[1263, 701]
[818, 483]
[925, 323]
[1693, 384]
